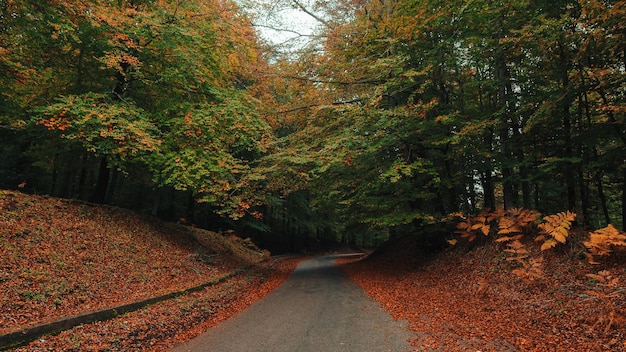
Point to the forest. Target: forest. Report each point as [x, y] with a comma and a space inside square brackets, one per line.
[393, 115]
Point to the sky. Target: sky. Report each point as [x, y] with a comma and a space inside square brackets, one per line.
[291, 20]
[294, 20]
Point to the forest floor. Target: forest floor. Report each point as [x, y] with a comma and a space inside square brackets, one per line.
[469, 299]
[61, 258]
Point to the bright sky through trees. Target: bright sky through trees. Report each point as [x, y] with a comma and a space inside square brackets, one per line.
[296, 25]
[281, 23]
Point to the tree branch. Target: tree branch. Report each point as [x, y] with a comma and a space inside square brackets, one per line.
[342, 83]
[286, 30]
[310, 106]
[305, 10]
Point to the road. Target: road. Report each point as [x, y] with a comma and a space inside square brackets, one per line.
[316, 309]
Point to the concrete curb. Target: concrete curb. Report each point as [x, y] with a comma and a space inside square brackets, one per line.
[24, 336]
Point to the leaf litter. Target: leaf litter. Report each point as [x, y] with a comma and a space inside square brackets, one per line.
[470, 300]
[61, 258]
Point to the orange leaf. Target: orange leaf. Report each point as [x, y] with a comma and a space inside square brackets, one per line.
[550, 243]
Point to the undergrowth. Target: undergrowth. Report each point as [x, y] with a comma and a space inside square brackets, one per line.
[527, 237]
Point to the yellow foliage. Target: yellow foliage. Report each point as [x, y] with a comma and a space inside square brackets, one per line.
[470, 226]
[555, 229]
[549, 243]
[603, 242]
[510, 222]
[513, 225]
[507, 226]
[515, 221]
[530, 270]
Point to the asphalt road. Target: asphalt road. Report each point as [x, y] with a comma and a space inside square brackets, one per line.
[316, 309]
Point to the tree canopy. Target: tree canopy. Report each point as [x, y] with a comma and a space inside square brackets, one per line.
[394, 114]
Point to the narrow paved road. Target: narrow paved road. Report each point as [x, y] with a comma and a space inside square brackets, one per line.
[316, 309]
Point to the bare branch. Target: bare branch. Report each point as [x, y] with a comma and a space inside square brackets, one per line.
[310, 106]
[342, 83]
[277, 29]
[305, 10]
[6, 127]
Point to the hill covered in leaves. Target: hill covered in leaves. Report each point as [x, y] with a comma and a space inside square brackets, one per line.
[499, 287]
[61, 258]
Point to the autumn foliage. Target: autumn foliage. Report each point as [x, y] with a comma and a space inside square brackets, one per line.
[62, 258]
[400, 113]
[506, 289]
[516, 224]
[605, 241]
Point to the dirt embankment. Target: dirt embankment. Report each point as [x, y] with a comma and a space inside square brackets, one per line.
[470, 300]
[60, 258]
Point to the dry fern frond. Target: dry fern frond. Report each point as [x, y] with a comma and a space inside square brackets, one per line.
[508, 226]
[603, 242]
[604, 278]
[517, 249]
[524, 217]
[607, 290]
[531, 270]
[471, 226]
[555, 229]
[516, 221]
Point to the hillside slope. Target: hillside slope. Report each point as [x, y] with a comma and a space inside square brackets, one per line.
[59, 258]
[468, 299]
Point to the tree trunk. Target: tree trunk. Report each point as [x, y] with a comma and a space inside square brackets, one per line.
[536, 195]
[584, 201]
[510, 198]
[523, 172]
[602, 196]
[526, 193]
[113, 185]
[82, 180]
[102, 183]
[569, 168]
[487, 176]
[619, 130]
[171, 207]
[470, 193]
[55, 175]
[191, 205]
[156, 203]
[568, 152]
[489, 191]
[624, 198]
[65, 186]
[505, 106]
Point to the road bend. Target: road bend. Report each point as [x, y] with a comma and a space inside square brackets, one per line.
[317, 309]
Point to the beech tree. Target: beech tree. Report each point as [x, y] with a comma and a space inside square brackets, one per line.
[119, 81]
[396, 113]
[425, 108]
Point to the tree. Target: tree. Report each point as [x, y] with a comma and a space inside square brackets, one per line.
[396, 113]
[112, 81]
[423, 108]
